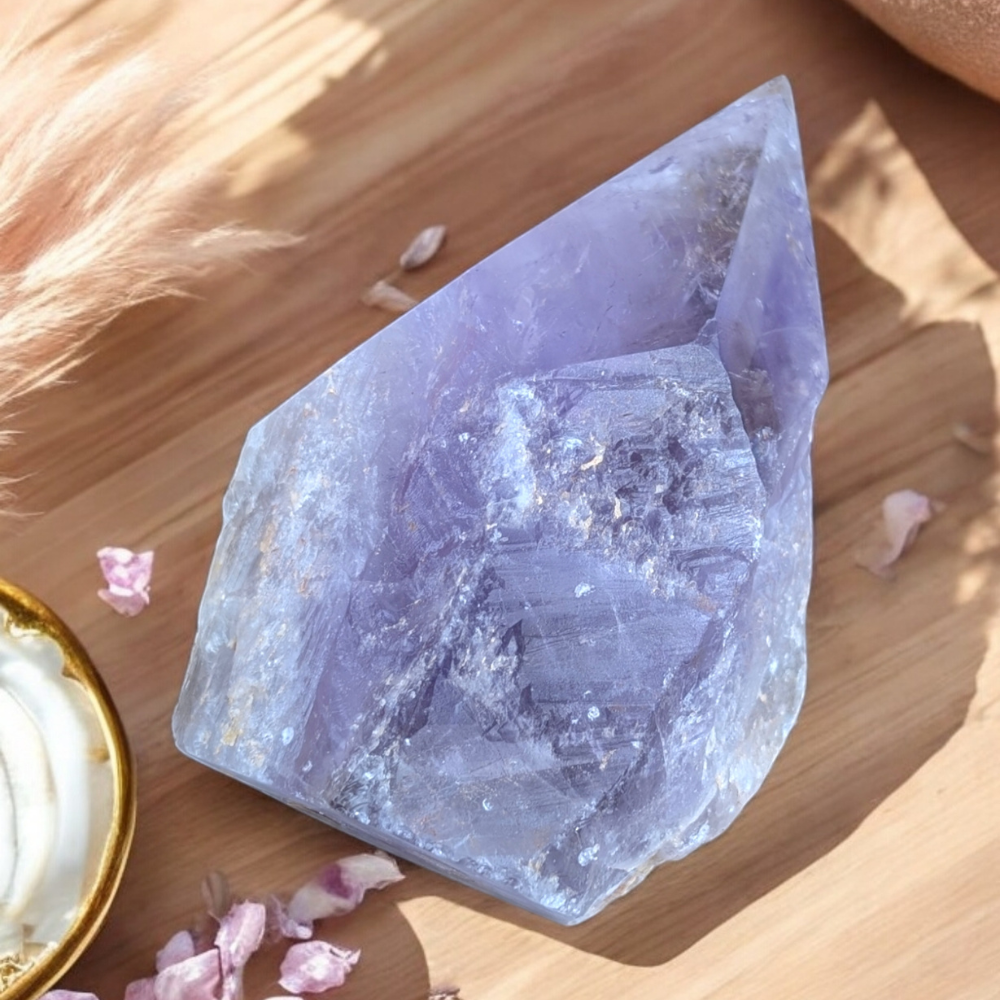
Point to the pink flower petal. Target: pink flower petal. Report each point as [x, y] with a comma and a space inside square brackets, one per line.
[281, 925]
[195, 978]
[177, 949]
[67, 995]
[241, 932]
[216, 893]
[903, 512]
[372, 871]
[339, 888]
[128, 576]
[315, 966]
[141, 989]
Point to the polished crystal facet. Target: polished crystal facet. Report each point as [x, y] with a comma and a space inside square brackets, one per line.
[517, 589]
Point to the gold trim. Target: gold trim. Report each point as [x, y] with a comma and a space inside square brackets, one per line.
[28, 614]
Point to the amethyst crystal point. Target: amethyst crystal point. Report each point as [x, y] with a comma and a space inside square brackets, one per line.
[517, 589]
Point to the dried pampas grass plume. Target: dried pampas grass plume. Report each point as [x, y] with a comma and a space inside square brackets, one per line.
[98, 209]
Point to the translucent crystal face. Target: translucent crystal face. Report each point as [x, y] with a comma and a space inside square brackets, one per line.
[517, 588]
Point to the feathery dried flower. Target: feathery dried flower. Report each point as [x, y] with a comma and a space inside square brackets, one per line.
[98, 210]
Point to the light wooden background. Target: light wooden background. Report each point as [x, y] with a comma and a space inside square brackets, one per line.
[869, 866]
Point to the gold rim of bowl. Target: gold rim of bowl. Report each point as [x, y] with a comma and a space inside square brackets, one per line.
[27, 613]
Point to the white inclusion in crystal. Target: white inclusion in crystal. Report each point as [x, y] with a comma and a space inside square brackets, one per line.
[287, 735]
[593, 713]
[487, 805]
[582, 589]
[587, 855]
[512, 462]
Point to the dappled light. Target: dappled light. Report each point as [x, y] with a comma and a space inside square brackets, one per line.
[871, 192]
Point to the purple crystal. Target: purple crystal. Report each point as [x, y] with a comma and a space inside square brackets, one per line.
[517, 589]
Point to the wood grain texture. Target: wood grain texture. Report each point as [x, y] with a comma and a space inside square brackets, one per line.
[869, 865]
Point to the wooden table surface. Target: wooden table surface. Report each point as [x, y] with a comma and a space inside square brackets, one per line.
[869, 865]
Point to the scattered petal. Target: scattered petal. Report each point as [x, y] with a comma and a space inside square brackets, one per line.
[371, 871]
[339, 888]
[141, 989]
[241, 932]
[281, 925]
[382, 295]
[903, 513]
[67, 995]
[315, 966]
[128, 575]
[216, 894]
[424, 247]
[443, 993]
[981, 444]
[177, 949]
[195, 978]
[203, 933]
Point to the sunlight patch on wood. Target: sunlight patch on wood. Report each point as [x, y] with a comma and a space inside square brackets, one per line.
[871, 192]
[281, 77]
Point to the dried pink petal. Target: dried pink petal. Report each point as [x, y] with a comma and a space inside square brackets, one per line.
[383, 295]
[67, 995]
[339, 888]
[216, 894]
[241, 932]
[281, 925]
[981, 444]
[195, 978]
[315, 966]
[177, 949]
[903, 512]
[141, 989]
[203, 933]
[128, 575]
[424, 247]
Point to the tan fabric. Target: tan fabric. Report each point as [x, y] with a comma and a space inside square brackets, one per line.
[961, 37]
